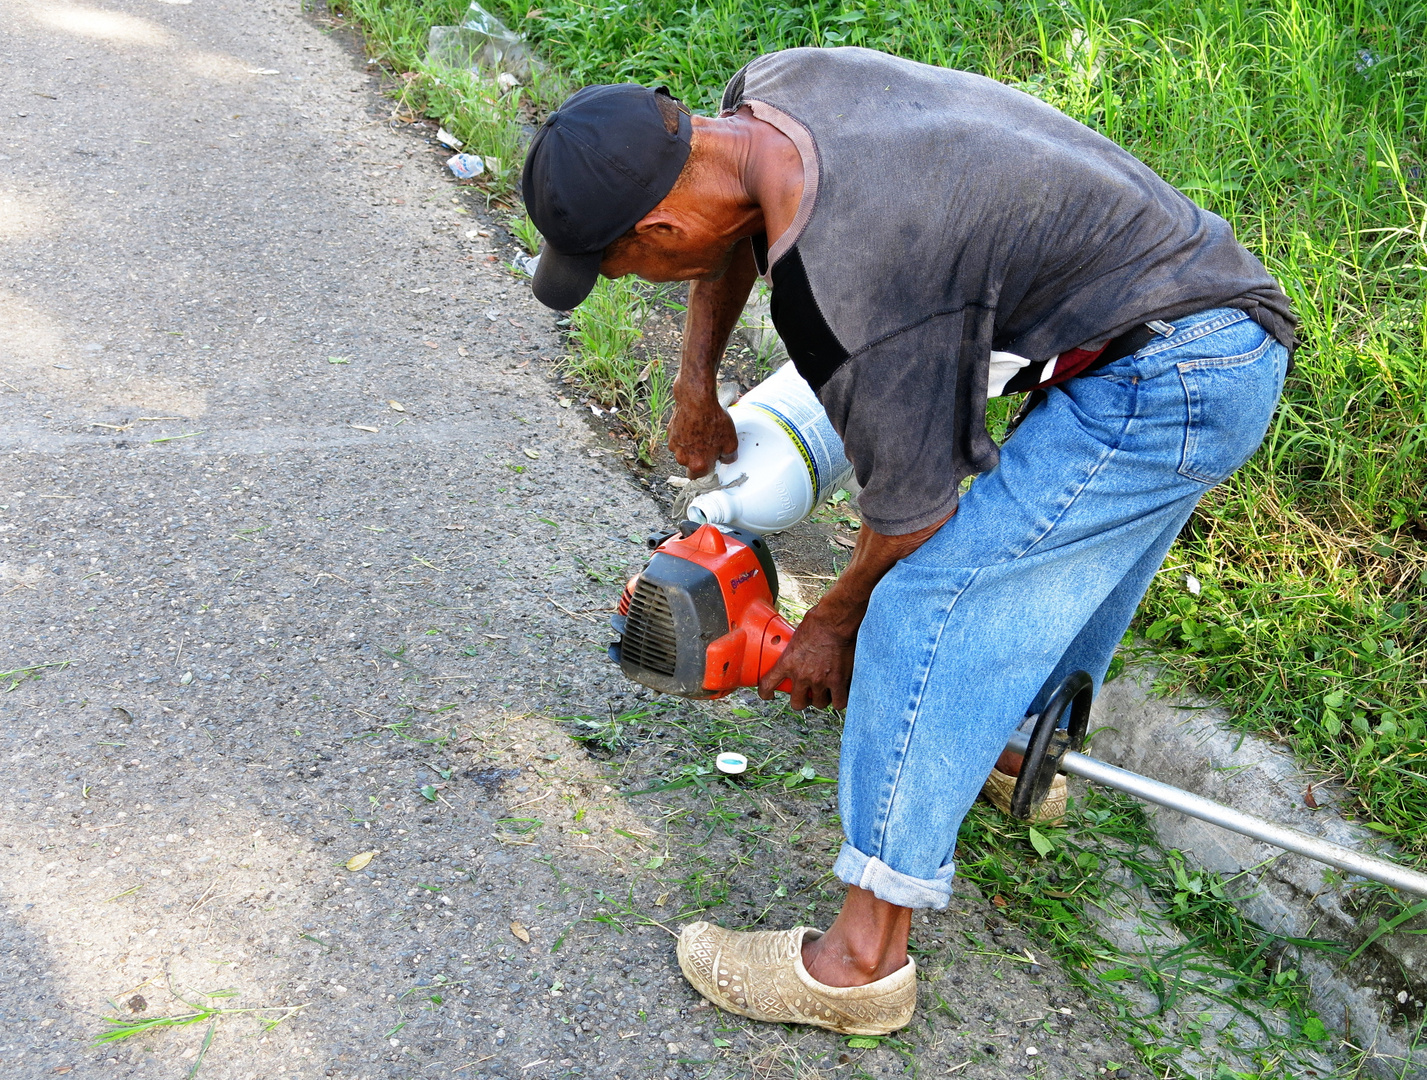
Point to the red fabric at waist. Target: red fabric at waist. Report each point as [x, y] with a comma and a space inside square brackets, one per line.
[1072, 363]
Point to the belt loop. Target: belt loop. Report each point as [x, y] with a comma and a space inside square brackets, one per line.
[1163, 329]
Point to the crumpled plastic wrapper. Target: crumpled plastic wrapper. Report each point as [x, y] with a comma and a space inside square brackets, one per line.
[481, 43]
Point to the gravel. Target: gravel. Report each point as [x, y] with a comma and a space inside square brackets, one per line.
[278, 639]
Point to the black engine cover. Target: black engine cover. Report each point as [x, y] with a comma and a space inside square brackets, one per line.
[676, 612]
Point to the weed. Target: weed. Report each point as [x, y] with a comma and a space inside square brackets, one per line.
[619, 913]
[1193, 944]
[121, 1028]
[1163, 945]
[489, 119]
[524, 230]
[659, 405]
[607, 735]
[396, 33]
[603, 331]
[18, 675]
[520, 826]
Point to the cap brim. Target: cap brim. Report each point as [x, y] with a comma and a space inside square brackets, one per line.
[562, 281]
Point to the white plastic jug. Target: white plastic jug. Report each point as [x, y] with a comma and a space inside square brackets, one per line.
[789, 458]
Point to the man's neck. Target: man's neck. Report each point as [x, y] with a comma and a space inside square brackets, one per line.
[759, 167]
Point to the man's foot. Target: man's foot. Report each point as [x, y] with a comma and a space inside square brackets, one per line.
[761, 975]
[1002, 782]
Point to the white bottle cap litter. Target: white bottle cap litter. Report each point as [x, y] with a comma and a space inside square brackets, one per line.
[731, 763]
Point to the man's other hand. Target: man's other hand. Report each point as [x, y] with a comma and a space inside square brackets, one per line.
[818, 662]
[701, 434]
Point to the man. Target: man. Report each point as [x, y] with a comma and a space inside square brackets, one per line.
[933, 238]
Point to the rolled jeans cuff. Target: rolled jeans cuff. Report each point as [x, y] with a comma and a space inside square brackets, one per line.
[866, 872]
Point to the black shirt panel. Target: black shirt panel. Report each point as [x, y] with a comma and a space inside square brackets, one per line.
[812, 345]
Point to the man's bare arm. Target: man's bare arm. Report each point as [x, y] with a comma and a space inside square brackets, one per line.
[819, 656]
[701, 432]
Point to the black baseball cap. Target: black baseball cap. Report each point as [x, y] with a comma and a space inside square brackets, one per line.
[600, 162]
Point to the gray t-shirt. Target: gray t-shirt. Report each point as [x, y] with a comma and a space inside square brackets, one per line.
[945, 218]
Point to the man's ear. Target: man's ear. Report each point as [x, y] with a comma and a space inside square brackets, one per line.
[660, 223]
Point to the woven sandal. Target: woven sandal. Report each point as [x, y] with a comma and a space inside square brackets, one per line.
[760, 975]
[998, 788]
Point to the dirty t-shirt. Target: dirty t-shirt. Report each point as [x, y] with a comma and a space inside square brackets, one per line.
[946, 217]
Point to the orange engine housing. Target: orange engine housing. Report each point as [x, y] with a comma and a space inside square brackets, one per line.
[700, 620]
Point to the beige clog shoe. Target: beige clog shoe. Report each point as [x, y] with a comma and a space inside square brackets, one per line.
[998, 788]
[760, 974]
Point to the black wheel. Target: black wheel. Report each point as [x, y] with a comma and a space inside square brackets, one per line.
[1049, 742]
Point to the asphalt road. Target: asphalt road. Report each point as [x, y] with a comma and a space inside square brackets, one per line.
[300, 559]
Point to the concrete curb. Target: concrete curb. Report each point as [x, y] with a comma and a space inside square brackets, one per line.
[1375, 1001]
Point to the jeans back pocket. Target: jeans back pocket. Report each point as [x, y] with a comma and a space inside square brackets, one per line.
[1230, 401]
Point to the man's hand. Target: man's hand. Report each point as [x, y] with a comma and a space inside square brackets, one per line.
[701, 434]
[818, 661]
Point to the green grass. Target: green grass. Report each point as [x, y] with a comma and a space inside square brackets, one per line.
[486, 117]
[603, 332]
[491, 122]
[121, 1028]
[605, 363]
[396, 32]
[21, 674]
[524, 230]
[1199, 951]
[1301, 122]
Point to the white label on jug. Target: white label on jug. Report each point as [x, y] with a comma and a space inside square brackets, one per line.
[792, 404]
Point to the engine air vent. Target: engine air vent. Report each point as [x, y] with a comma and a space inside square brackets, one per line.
[649, 639]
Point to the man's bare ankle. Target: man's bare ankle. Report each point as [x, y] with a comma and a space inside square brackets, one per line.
[832, 963]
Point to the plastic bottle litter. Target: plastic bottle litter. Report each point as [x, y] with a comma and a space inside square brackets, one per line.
[481, 43]
[789, 459]
[446, 139]
[466, 166]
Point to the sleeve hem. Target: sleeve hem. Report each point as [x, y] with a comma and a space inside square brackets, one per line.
[902, 526]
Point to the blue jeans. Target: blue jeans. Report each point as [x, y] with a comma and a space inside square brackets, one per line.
[1037, 575]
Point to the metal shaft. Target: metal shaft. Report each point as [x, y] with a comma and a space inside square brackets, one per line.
[1196, 806]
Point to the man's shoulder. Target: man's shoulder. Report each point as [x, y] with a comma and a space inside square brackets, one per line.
[793, 72]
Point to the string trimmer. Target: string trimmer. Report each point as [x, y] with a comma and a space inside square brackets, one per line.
[700, 621]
